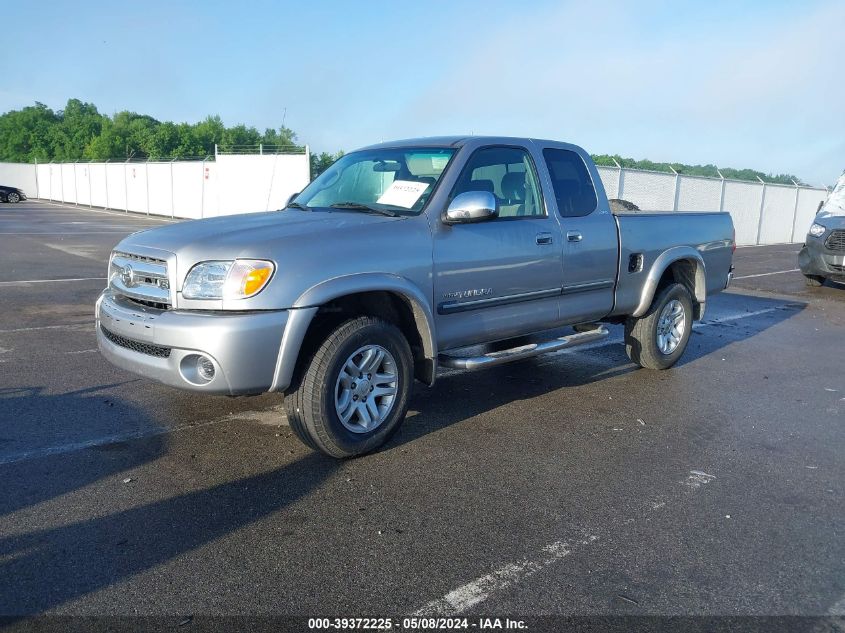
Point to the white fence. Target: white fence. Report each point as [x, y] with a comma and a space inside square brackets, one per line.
[184, 189]
[762, 213]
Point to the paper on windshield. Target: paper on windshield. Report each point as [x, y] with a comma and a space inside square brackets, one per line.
[403, 193]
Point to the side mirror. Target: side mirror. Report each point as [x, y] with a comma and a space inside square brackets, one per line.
[471, 206]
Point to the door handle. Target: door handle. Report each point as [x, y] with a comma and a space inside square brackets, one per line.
[544, 238]
[574, 236]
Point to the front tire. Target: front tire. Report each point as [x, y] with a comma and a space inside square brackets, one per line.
[814, 281]
[351, 396]
[658, 339]
[13, 197]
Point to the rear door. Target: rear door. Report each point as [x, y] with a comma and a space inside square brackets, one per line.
[498, 278]
[590, 249]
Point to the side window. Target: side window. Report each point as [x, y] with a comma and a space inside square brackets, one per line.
[573, 186]
[508, 174]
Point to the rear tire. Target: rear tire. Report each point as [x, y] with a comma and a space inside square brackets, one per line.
[320, 405]
[658, 339]
[814, 281]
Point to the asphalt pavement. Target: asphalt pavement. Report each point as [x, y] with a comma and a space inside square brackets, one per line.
[573, 483]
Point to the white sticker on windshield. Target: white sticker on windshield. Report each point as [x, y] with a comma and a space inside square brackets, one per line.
[403, 193]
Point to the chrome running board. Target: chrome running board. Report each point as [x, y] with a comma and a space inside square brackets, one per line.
[523, 351]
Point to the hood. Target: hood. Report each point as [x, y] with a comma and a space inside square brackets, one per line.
[308, 248]
[248, 235]
[831, 220]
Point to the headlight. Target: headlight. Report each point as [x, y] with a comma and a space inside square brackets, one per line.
[237, 279]
[817, 230]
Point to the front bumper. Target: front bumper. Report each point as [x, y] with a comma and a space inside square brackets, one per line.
[815, 259]
[165, 344]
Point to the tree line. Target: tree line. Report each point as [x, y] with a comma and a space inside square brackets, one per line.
[696, 170]
[81, 132]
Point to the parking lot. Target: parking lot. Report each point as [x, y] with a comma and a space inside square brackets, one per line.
[567, 484]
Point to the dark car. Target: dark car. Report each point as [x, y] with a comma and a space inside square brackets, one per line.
[11, 194]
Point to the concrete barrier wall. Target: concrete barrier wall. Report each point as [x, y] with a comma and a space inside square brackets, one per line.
[188, 196]
[762, 214]
[160, 189]
[742, 201]
[82, 184]
[19, 175]
[136, 187]
[649, 190]
[188, 189]
[281, 175]
[699, 194]
[808, 206]
[99, 197]
[778, 213]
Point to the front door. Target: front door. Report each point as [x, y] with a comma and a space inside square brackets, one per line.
[502, 277]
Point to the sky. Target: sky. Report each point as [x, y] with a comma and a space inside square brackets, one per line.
[755, 84]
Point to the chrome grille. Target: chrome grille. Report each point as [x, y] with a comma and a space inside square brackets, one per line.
[140, 278]
[149, 304]
[141, 258]
[836, 240]
[136, 346]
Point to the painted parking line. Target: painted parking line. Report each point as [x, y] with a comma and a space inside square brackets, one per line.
[49, 281]
[67, 326]
[470, 594]
[100, 441]
[123, 214]
[777, 272]
[274, 416]
[477, 591]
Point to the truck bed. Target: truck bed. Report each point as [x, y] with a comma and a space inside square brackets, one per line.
[645, 236]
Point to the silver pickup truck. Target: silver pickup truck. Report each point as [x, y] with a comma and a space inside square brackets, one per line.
[400, 258]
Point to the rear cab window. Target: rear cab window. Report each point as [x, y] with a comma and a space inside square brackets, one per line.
[573, 187]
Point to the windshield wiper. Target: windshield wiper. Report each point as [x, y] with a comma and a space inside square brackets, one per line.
[360, 206]
[297, 205]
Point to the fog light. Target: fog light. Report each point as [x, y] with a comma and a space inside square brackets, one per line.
[205, 368]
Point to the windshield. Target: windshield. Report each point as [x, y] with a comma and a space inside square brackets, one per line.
[835, 203]
[398, 180]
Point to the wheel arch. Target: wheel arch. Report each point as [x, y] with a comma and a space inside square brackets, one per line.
[383, 295]
[682, 264]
